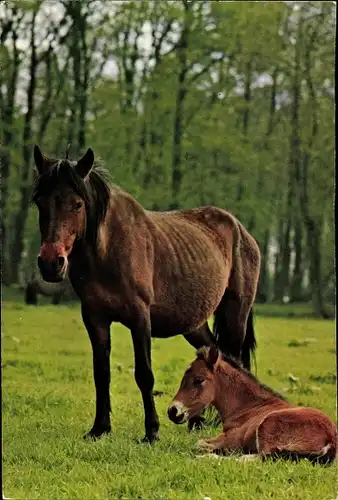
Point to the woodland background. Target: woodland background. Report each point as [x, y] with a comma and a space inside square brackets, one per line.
[187, 103]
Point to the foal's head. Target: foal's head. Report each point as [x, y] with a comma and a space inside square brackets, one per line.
[197, 389]
[220, 380]
[64, 194]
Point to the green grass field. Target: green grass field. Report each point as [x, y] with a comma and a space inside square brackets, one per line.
[48, 404]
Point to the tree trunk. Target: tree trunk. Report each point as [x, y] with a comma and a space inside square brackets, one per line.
[74, 10]
[246, 117]
[313, 234]
[312, 225]
[21, 215]
[7, 114]
[83, 96]
[285, 261]
[247, 97]
[297, 275]
[176, 179]
[263, 285]
[129, 58]
[278, 278]
[269, 130]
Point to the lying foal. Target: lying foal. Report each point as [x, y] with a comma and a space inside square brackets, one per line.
[256, 420]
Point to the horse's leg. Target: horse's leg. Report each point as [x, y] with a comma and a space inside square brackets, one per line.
[141, 335]
[199, 338]
[99, 333]
[228, 325]
[231, 317]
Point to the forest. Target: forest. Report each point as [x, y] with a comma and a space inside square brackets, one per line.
[186, 103]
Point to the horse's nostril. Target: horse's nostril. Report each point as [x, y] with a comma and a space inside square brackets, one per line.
[61, 261]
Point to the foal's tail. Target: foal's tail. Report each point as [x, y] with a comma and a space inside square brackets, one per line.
[226, 329]
[325, 456]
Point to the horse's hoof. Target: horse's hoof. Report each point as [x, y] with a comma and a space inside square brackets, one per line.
[196, 424]
[96, 432]
[149, 439]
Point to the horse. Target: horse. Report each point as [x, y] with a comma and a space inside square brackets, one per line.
[36, 286]
[257, 421]
[160, 274]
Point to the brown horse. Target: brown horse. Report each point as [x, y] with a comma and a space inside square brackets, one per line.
[256, 419]
[159, 274]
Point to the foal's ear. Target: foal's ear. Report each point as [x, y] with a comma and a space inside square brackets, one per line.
[85, 164]
[213, 357]
[42, 163]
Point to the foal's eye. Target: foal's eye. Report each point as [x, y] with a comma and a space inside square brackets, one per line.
[198, 381]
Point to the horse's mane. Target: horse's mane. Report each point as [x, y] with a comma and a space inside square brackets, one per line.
[95, 191]
[203, 352]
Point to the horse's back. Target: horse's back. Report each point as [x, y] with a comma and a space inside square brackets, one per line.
[197, 234]
[211, 219]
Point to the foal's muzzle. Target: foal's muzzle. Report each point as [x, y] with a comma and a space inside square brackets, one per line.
[177, 412]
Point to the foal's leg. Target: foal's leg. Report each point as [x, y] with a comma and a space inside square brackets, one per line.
[141, 335]
[199, 338]
[227, 442]
[99, 334]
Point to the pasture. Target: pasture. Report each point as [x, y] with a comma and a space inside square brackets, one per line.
[48, 404]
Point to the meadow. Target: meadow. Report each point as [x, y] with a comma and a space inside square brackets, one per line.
[48, 404]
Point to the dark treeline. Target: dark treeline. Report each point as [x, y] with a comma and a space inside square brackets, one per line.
[186, 103]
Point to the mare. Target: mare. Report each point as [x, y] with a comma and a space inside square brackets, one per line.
[158, 273]
[256, 420]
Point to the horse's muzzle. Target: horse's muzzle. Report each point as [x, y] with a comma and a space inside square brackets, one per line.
[53, 271]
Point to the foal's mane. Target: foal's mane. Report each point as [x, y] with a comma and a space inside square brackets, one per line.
[95, 191]
[203, 352]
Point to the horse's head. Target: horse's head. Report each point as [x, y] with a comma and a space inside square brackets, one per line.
[61, 197]
[197, 389]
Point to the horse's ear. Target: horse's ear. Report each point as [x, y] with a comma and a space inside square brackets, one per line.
[85, 164]
[41, 162]
[213, 357]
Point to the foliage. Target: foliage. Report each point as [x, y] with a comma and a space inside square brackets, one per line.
[222, 103]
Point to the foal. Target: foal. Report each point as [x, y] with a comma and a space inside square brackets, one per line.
[256, 420]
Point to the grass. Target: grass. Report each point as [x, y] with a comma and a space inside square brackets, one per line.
[48, 404]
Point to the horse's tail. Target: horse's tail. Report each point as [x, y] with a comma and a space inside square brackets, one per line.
[226, 335]
[250, 343]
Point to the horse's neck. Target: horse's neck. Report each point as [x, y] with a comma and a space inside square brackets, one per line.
[237, 393]
[108, 231]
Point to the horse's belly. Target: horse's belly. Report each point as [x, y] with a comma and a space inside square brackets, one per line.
[186, 306]
[189, 281]
[165, 324]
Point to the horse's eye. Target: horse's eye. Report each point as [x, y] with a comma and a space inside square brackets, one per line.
[38, 202]
[198, 380]
[77, 206]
